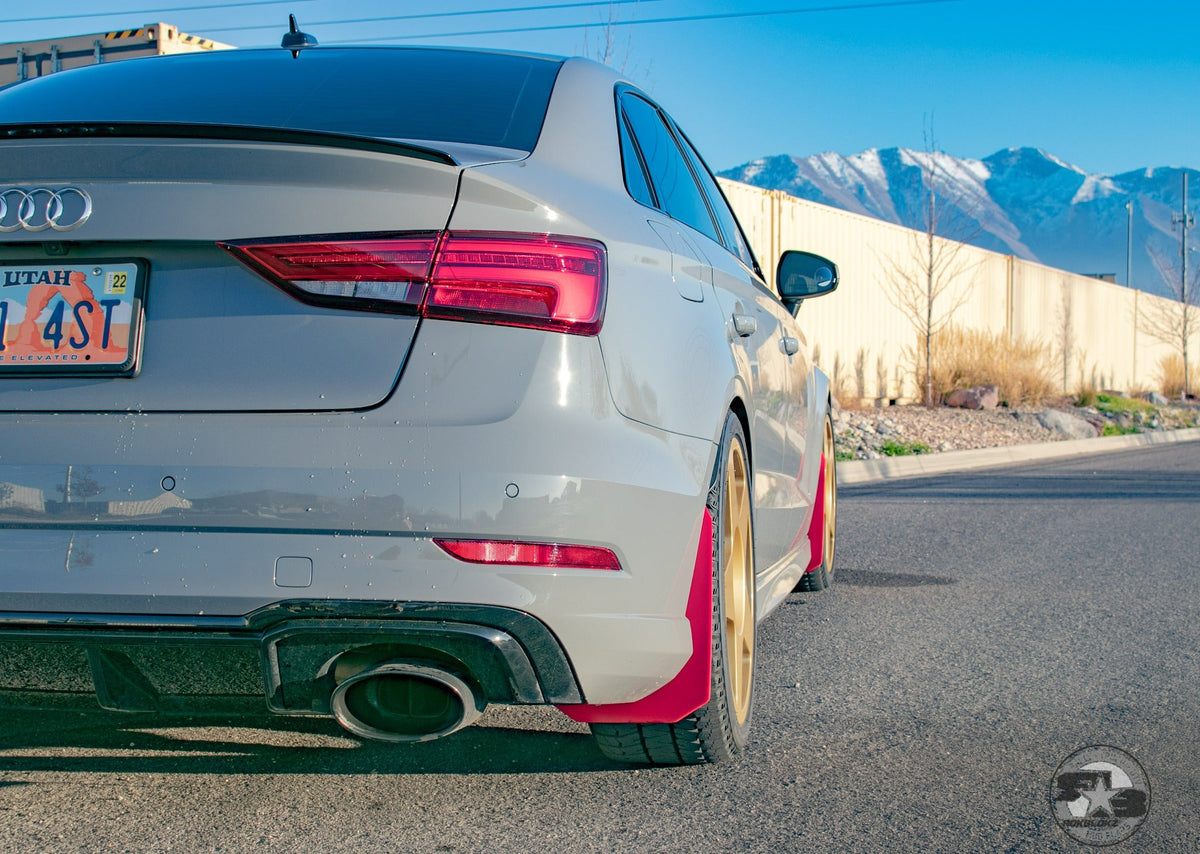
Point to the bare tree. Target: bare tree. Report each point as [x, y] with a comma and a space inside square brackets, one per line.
[1175, 321]
[79, 485]
[921, 283]
[610, 43]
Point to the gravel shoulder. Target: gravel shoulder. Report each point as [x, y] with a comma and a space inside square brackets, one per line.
[870, 434]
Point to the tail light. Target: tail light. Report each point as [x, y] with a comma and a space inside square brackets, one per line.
[374, 274]
[514, 553]
[536, 281]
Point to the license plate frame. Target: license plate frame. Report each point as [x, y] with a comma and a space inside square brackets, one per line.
[90, 317]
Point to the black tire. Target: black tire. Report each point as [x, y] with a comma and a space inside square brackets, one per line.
[821, 577]
[718, 731]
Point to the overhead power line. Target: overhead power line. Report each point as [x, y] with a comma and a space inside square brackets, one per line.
[840, 7]
[466, 12]
[472, 12]
[153, 11]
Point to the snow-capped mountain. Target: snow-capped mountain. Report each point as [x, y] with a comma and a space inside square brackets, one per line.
[1020, 201]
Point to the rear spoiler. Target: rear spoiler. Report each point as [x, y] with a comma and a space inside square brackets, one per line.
[98, 130]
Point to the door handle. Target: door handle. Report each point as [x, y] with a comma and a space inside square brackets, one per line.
[745, 325]
[789, 345]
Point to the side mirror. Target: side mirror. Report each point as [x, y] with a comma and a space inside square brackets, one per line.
[803, 275]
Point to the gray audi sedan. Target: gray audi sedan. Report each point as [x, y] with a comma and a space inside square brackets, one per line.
[388, 383]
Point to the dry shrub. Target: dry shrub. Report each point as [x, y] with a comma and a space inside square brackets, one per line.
[1170, 376]
[1023, 370]
[1138, 390]
[1087, 389]
[853, 404]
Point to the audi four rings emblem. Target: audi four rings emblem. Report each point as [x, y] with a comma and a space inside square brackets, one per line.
[43, 208]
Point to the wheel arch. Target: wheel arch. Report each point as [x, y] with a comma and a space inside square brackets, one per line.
[738, 407]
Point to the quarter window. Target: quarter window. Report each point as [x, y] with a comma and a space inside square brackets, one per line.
[674, 186]
[635, 173]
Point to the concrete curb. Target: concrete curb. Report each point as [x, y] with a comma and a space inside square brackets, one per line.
[868, 471]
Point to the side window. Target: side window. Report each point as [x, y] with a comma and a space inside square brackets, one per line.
[678, 195]
[631, 163]
[735, 241]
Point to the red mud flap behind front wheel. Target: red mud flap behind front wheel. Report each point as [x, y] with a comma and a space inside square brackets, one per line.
[816, 528]
[690, 688]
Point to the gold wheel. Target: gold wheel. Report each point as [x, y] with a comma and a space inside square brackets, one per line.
[830, 499]
[718, 730]
[737, 581]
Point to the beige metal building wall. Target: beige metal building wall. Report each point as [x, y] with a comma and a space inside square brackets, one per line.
[1091, 319]
[859, 334]
[25, 60]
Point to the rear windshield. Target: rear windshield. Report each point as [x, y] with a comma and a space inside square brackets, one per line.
[389, 93]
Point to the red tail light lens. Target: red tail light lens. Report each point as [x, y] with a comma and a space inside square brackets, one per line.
[537, 281]
[520, 280]
[382, 274]
[509, 552]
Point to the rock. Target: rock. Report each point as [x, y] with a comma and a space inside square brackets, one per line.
[1069, 425]
[980, 397]
[1155, 398]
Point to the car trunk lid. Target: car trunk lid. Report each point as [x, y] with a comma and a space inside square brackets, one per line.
[216, 336]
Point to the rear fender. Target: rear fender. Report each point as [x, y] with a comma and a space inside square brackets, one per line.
[691, 687]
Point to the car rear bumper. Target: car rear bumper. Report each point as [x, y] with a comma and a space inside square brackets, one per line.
[279, 658]
[177, 516]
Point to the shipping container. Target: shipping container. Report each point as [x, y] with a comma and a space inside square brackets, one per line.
[25, 60]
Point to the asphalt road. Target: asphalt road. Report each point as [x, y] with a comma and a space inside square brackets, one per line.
[983, 626]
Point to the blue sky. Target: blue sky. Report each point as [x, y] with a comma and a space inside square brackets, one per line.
[1108, 86]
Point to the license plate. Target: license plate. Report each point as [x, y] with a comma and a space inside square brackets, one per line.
[71, 318]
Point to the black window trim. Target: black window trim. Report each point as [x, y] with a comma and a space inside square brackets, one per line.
[625, 90]
[681, 140]
[756, 268]
[641, 160]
